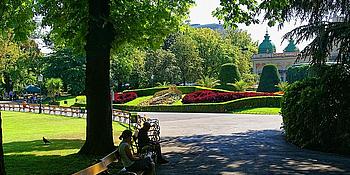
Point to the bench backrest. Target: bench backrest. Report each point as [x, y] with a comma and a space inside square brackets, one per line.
[100, 166]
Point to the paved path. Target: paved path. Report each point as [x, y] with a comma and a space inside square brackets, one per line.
[237, 144]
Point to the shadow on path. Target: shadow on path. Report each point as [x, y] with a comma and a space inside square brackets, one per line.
[252, 152]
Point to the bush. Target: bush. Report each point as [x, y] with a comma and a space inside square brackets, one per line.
[250, 102]
[206, 96]
[229, 73]
[315, 111]
[269, 79]
[297, 73]
[124, 97]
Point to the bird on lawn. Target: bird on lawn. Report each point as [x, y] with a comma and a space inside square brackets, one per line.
[46, 141]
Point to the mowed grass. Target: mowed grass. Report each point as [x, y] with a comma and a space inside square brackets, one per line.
[71, 100]
[263, 111]
[138, 100]
[25, 152]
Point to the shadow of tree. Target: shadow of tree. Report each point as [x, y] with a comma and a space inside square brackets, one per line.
[253, 152]
[34, 157]
[38, 145]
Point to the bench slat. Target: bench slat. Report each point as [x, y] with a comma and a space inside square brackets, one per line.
[94, 169]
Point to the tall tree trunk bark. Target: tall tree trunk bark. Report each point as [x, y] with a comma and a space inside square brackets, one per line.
[2, 164]
[99, 134]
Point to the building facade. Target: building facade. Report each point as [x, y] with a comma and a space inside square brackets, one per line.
[267, 55]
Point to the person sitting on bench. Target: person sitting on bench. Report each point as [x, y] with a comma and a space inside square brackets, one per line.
[131, 162]
[144, 140]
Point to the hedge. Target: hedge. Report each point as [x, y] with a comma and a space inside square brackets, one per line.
[250, 102]
[269, 79]
[183, 89]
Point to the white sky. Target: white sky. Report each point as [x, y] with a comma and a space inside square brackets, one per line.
[201, 14]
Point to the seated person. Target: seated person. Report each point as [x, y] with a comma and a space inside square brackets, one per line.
[144, 140]
[131, 162]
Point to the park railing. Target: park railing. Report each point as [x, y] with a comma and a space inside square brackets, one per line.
[130, 118]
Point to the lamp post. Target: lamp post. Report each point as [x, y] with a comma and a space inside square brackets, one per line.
[40, 80]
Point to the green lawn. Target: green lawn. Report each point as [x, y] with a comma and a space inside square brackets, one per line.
[25, 152]
[266, 110]
[70, 100]
[138, 100]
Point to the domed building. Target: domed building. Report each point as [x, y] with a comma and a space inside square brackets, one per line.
[267, 55]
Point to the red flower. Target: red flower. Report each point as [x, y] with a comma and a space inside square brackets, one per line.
[207, 96]
[124, 97]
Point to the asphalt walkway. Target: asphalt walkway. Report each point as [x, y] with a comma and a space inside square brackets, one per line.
[237, 144]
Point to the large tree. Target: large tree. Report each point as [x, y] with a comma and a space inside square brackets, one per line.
[187, 58]
[93, 27]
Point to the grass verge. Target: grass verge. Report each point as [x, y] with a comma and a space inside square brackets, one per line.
[263, 111]
[25, 152]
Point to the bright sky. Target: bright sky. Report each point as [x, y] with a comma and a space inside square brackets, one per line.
[201, 14]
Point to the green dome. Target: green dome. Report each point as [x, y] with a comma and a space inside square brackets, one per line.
[267, 46]
[291, 47]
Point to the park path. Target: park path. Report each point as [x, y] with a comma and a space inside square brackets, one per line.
[214, 144]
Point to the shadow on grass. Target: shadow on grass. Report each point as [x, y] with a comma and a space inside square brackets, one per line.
[253, 152]
[38, 145]
[34, 157]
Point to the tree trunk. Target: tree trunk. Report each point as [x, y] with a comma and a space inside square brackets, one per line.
[2, 164]
[99, 134]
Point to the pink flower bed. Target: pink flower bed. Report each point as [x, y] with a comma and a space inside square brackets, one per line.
[124, 97]
[206, 96]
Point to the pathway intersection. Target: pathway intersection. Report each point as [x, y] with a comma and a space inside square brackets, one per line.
[237, 144]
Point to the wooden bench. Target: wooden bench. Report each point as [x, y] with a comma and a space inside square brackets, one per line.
[102, 166]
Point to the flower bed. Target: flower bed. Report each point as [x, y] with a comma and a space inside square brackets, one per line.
[206, 96]
[124, 97]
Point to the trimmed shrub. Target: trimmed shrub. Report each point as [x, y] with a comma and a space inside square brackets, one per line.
[206, 96]
[250, 102]
[124, 97]
[229, 73]
[269, 79]
[316, 111]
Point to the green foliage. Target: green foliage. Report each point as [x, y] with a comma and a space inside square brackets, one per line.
[229, 73]
[283, 86]
[183, 89]
[213, 49]
[69, 67]
[241, 85]
[228, 87]
[297, 73]
[160, 66]
[250, 102]
[54, 86]
[187, 58]
[163, 84]
[315, 111]
[208, 82]
[19, 63]
[243, 49]
[269, 79]
[152, 22]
